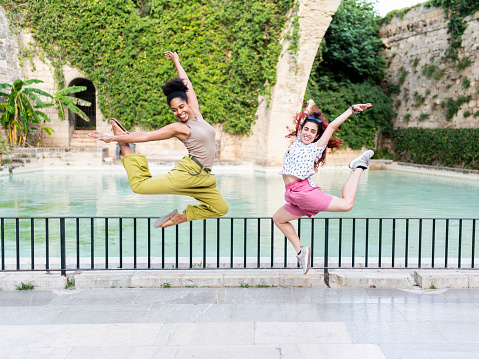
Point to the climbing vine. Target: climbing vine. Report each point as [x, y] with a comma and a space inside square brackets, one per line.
[228, 48]
[456, 11]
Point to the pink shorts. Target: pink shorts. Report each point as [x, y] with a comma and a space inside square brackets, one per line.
[304, 200]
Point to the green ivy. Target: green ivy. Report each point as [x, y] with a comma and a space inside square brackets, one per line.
[441, 147]
[456, 11]
[228, 48]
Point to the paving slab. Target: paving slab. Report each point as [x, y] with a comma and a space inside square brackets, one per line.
[473, 278]
[426, 279]
[300, 332]
[228, 352]
[101, 335]
[327, 351]
[40, 280]
[370, 278]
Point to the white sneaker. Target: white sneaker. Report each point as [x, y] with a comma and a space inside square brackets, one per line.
[362, 160]
[304, 259]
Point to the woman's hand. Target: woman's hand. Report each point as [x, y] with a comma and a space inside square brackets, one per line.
[173, 56]
[361, 107]
[101, 137]
[310, 104]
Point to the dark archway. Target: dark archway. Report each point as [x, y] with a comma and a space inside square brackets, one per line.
[90, 111]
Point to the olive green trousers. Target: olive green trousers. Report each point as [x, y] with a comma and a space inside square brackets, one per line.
[185, 179]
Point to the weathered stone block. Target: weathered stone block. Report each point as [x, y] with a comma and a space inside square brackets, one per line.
[441, 279]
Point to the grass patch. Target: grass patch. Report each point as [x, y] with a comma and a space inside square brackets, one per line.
[166, 285]
[25, 286]
[70, 283]
[432, 286]
[262, 285]
[244, 285]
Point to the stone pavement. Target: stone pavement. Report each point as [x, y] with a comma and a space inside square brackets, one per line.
[255, 322]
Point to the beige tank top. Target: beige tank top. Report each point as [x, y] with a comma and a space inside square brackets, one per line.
[201, 141]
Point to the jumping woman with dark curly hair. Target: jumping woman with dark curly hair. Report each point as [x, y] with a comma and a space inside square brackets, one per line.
[303, 197]
[192, 175]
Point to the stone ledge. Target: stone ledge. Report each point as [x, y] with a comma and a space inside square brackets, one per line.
[445, 279]
[40, 280]
[370, 278]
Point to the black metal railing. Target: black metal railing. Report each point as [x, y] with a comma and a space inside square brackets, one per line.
[86, 243]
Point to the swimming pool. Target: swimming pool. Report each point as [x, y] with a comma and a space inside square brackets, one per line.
[106, 193]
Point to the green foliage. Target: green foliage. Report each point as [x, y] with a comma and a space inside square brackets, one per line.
[360, 132]
[25, 286]
[21, 110]
[467, 114]
[400, 13]
[402, 75]
[407, 117]
[443, 147]
[463, 63]
[432, 286]
[419, 99]
[466, 83]
[166, 285]
[228, 48]
[351, 45]
[415, 62]
[70, 282]
[244, 285]
[433, 70]
[383, 153]
[423, 116]
[348, 69]
[456, 11]
[476, 114]
[452, 106]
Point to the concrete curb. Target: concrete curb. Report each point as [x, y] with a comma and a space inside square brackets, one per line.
[338, 278]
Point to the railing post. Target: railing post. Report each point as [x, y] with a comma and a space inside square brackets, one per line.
[63, 261]
[326, 245]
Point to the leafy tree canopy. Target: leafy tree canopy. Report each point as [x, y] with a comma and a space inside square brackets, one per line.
[348, 70]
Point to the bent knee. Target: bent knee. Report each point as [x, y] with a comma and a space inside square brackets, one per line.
[223, 209]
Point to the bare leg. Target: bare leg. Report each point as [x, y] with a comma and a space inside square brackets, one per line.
[282, 220]
[350, 189]
[124, 147]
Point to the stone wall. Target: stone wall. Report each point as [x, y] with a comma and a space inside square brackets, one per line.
[418, 40]
[9, 64]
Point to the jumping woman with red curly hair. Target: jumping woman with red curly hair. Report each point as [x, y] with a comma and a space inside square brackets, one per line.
[303, 197]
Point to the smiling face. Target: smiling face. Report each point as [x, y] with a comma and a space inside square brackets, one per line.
[181, 110]
[309, 132]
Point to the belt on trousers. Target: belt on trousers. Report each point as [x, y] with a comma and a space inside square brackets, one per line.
[193, 158]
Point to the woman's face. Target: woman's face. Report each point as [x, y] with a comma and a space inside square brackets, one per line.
[180, 109]
[309, 132]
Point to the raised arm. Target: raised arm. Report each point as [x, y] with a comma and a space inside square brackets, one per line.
[307, 111]
[177, 129]
[192, 99]
[333, 126]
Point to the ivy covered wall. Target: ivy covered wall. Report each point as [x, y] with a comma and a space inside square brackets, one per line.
[229, 49]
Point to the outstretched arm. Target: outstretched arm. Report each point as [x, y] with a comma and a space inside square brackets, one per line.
[192, 100]
[333, 126]
[176, 129]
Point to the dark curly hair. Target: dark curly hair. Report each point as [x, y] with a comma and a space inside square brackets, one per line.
[300, 120]
[175, 88]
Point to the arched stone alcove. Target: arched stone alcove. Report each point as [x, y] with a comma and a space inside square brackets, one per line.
[89, 95]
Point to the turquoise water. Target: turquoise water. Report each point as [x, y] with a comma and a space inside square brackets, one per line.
[50, 193]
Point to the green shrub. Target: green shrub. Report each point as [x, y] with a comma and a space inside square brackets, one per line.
[466, 83]
[423, 116]
[443, 147]
[452, 106]
[463, 63]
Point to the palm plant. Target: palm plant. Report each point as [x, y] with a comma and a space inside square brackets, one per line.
[20, 110]
[60, 99]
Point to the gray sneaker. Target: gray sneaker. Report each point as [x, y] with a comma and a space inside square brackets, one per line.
[362, 160]
[304, 259]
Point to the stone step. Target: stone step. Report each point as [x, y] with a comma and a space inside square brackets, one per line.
[81, 143]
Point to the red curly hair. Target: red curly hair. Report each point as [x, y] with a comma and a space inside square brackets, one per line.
[299, 121]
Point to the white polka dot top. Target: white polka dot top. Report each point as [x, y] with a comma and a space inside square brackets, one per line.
[299, 159]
